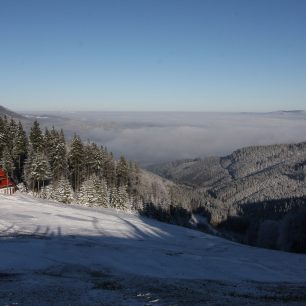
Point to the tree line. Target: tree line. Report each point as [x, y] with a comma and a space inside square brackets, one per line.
[45, 164]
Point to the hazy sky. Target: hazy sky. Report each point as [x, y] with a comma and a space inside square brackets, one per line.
[193, 55]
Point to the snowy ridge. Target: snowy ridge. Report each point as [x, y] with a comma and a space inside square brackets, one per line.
[37, 234]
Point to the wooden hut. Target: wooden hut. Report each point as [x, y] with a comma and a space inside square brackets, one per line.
[6, 185]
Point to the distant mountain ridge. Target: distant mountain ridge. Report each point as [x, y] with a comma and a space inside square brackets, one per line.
[248, 175]
[6, 112]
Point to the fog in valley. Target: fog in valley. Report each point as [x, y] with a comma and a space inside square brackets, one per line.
[155, 137]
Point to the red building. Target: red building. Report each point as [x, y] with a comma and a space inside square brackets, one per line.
[6, 185]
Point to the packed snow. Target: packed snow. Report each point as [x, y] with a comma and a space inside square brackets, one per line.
[128, 243]
[38, 235]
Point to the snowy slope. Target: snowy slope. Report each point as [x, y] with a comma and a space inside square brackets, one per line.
[37, 234]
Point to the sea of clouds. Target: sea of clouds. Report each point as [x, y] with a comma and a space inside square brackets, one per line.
[151, 138]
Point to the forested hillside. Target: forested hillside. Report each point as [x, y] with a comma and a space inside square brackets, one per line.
[258, 193]
[48, 166]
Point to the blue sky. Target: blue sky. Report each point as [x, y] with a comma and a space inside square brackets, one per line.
[159, 55]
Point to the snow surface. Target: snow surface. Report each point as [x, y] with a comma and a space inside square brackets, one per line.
[37, 234]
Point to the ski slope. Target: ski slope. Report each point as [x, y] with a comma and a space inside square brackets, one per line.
[37, 234]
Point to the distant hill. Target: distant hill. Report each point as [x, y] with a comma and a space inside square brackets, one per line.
[258, 182]
[248, 174]
[6, 112]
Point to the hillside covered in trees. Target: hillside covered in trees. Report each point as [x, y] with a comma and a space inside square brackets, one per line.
[256, 195]
[48, 166]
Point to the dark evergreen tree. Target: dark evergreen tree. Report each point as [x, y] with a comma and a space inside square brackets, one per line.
[88, 193]
[48, 165]
[122, 171]
[102, 193]
[76, 162]
[20, 149]
[3, 134]
[37, 171]
[36, 138]
[61, 191]
[109, 170]
[55, 145]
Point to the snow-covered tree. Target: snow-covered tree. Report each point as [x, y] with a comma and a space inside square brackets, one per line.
[20, 148]
[88, 194]
[119, 198]
[36, 138]
[102, 194]
[76, 162]
[122, 171]
[62, 191]
[48, 165]
[56, 152]
[37, 171]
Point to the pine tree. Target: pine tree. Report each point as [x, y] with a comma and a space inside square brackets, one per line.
[20, 149]
[119, 198]
[122, 171]
[102, 194]
[114, 197]
[94, 160]
[88, 193]
[62, 191]
[43, 160]
[2, 136]
[89, 160]
[11, 132]
[36, 138]
[76, 162]
[37, 171]
[109, 170]
[57, 154]
[134, 179]
[123, 197]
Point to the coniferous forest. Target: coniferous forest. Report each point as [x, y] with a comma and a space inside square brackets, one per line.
[45, 164]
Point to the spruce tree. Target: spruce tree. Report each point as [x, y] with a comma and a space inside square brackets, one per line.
[43, 159]
[88, 193]
[62, 191]
[3, 131]
[114, 197]
[122, 171]
[109, 170]
[36, 138]
[37, 171]
[102, 194]
[119, 198]
[94, 160]
[20, 149]
[123, 198]
[76, 162]
[57, 154]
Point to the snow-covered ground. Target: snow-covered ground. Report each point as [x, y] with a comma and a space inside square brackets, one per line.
[71, 254]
